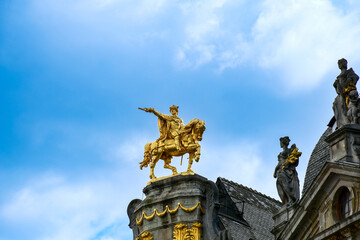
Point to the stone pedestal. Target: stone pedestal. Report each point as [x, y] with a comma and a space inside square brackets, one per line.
[281, 218]
[345, 144]
[176, 208]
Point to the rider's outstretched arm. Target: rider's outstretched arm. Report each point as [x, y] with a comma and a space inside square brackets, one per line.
[159, 115]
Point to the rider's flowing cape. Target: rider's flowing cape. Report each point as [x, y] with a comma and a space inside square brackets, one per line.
[164, 127]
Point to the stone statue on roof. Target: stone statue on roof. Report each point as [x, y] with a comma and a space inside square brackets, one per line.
[176, 139]
[346, 105]
[287, 181]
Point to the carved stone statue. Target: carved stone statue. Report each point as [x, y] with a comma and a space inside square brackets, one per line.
[176, 139]
[344, 84]
[287, 182]
[353, 113]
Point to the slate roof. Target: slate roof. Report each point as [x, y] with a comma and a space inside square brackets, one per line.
[319, 156]
[256, 209]
[237, 230]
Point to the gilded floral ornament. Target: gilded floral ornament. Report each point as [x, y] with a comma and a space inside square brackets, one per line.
[145, 236]
[292, 158]
[171, 211]
[182, 232]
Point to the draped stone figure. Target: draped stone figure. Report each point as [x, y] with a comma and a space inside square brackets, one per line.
[345, 86]
[287, 182]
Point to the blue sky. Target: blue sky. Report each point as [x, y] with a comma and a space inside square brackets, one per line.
[73, 72]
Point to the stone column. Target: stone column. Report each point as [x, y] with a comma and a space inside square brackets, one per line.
[176, 208]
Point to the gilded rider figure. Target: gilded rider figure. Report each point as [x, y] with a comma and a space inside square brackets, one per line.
[287, 182]
[170, 127]
[176, 139]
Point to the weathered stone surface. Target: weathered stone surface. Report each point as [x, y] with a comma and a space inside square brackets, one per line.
[282, 216]
[188, 191]
[345, 144]
[131, 213]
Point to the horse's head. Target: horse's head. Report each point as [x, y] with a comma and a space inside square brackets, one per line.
[198, 129]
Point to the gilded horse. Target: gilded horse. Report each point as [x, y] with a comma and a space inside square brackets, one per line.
[190, 136]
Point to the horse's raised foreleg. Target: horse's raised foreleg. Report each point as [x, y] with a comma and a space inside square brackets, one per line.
[167, 162]
[197, 152]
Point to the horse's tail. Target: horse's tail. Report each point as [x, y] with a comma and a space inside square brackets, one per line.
[147, 156]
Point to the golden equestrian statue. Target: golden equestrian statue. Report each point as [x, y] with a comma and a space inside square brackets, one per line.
[175, 139]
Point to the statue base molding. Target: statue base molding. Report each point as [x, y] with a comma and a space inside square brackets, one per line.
[345, 144]
[281, 218]
[178, 174]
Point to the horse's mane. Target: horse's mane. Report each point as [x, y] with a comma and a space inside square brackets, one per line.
[191, 124]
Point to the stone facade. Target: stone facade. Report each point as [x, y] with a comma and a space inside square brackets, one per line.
[210, 211]
[330, 205]
[192, 207]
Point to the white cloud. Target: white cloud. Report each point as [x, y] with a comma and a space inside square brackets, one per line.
[231, 58]
[201, 24]
[239, 161]
[64, 209]
[131, 149]
[300, 41]
[56, 207]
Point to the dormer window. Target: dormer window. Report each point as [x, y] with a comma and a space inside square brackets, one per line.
[344, 204]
